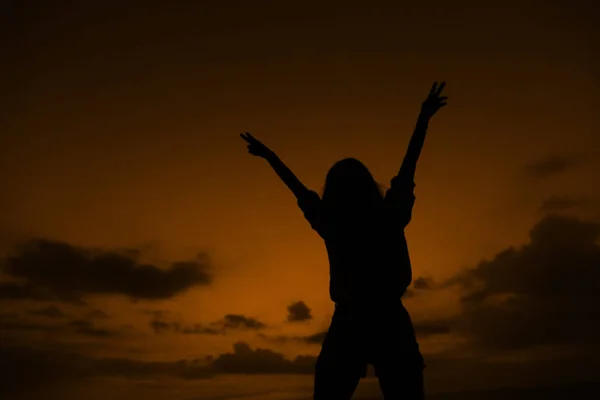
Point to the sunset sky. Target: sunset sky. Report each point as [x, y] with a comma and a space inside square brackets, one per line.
[145, 254]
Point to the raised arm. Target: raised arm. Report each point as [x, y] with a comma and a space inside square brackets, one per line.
[430, 106]
[257, 148]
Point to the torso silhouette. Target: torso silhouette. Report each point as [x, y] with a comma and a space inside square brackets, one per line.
[368, 254]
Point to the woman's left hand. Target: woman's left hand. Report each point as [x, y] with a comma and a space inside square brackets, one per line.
[434, 101]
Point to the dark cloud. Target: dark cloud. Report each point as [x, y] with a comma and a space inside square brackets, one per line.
[429, 328]
[419, 284]
[198, 329]
[25, 368]
[11, 322]
[246, 360]
[552, 165]
[161, 314]
[97, 314]
[24, 291]
[546, 292]
[315, 338]
[20, 324]
[164, 322]
[50, 312]
[237, 321]
[87, 328]
[56, 270]
[15, 322]
[162, 326]
[558, 203]
[422, 283]
[9, 316]
[77, 327]
[298, 311]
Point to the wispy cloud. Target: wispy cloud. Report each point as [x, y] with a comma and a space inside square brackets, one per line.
[554, 164]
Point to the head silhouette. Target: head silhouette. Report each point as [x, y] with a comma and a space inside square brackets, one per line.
[350, 187]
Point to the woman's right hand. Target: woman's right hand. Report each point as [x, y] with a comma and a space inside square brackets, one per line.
[255, 146]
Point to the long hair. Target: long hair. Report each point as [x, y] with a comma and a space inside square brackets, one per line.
[350, 187]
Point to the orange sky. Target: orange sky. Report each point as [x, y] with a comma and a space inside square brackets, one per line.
[119, 129]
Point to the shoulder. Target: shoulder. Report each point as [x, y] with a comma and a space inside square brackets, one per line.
[400, 182]
[311, 205]
[308, 199]
[401, 189]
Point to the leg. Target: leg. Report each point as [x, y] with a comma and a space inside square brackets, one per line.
[337, 371]
[333, 385]
[397, 361]
[338, 368]
[402, 384]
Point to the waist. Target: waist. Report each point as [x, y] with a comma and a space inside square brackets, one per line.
[370, 305]
[390, 316]
[364, 290]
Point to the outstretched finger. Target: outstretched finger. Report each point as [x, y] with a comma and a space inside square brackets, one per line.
[440, 88]
[248, 137]
[432, 91]
[443, 98]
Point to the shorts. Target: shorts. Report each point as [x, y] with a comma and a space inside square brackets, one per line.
[382, 336]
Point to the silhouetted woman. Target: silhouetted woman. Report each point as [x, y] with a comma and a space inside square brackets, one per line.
[370, 269]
